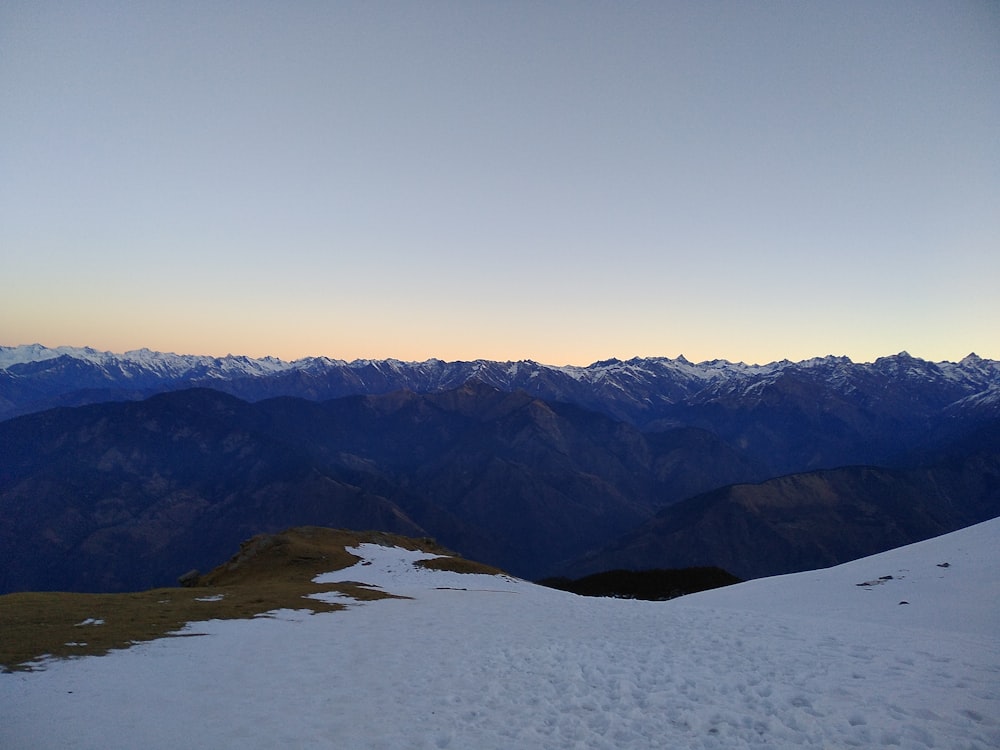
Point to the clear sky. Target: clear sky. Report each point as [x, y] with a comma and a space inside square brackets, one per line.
[558, 181]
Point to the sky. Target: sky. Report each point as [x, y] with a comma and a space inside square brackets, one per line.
[557, 181]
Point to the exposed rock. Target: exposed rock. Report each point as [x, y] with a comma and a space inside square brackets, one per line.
[189, 579]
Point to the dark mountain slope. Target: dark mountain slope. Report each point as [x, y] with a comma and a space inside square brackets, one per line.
[787, 416]
[113, 497]
[123, 495]
[509, 478]
[817, 519]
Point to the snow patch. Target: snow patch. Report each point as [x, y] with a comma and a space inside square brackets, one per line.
[809, 660]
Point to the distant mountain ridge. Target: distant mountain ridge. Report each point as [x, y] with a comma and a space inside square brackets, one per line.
[851, 413]
[646, 386]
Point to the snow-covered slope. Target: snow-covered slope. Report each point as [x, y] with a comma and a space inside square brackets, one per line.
[949, 584]
[473, 661]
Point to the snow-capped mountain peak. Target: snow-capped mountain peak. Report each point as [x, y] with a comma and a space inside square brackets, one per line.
[639, 390]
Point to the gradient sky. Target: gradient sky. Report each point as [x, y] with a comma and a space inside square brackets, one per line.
[558, 181]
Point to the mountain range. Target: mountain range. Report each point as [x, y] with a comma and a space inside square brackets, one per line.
[165, 460]
[893, 399]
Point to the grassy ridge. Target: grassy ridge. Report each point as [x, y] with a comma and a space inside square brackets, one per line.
[271, 571]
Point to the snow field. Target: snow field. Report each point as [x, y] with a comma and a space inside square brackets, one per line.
[492, 662]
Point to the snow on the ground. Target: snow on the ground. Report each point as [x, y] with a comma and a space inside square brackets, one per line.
[950, 583]
[808, 660]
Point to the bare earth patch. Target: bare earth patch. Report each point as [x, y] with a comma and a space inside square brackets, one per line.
[458, 565]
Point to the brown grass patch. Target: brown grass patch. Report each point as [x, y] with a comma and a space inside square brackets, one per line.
[271, 571]
[458, 565]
